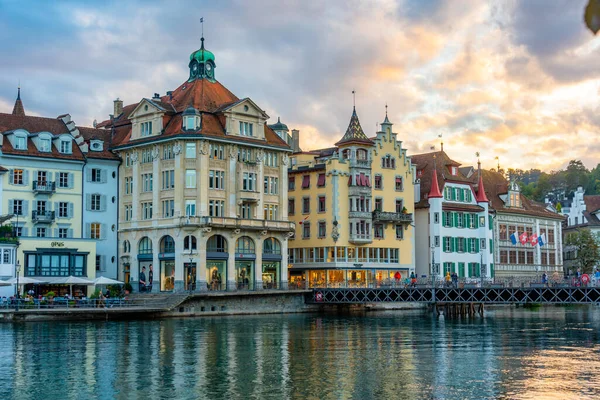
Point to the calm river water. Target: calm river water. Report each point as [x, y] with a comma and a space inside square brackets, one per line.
[511, 353]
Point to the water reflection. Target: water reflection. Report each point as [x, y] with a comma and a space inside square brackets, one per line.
[511, 353]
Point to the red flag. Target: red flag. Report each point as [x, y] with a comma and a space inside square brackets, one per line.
[523, 238]
[305, 218]
[533, 239]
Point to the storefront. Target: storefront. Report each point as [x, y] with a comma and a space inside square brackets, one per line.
[216, 263]
[244, 272]
[348, 277]
[145, 257]
[167, 264]
[189, 272]
[270, 274]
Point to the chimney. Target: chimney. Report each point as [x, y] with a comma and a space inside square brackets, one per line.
[296, 141]
[156, 96]
[118, 109]
[170, 94]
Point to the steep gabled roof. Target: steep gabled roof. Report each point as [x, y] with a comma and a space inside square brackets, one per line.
[354, 133]
[18, 109]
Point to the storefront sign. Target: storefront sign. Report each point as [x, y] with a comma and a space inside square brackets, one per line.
[57, 244]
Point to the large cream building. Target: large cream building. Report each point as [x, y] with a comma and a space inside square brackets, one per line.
[203, 204]
[353, 206]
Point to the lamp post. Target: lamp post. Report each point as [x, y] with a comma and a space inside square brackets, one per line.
[18, 270]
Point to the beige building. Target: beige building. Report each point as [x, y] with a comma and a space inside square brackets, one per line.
[353, 206]
[203, 206]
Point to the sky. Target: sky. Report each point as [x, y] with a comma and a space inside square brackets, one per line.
[517, 80]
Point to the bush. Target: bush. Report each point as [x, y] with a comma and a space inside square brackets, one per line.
[128, 287]
[96, 294]
[50, 294]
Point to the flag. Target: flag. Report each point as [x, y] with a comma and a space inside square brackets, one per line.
[523, 238]
[305, 218]
[514, 238]
[533, 239]
[542, 239]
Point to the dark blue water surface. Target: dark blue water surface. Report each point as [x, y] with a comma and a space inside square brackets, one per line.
[510, 353]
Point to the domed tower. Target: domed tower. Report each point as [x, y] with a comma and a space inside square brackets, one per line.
[281, 130]
[202, 64]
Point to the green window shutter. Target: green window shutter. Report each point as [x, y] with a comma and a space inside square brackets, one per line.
[443, 219]
[462, 195]
[492, 272]
[491, 246]
[452, 244]
[478, 270]
[455, 218]
[476, 245]
[461, 270]
[490, 222]
[476, 222]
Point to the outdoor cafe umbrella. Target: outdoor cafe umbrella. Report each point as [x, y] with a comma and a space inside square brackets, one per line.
[24, 280]
[103, 281]
[5, 283]
[72, 280]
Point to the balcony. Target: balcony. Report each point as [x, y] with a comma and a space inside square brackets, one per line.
[44, 187]
[360, 214]
[249, 196]
[384, 216]
[359, 191]
[238, 223]
[42, 217]
[363, 238]
[360, 163]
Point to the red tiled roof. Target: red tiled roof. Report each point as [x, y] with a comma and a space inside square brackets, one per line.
[98, 134]
[435, 189]
[481, 197]
[32, 124]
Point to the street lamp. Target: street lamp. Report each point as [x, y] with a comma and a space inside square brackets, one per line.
[432, 265]
[18, 269]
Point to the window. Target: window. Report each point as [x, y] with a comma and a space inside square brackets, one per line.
[291, 206]
[436, 241]
[42, 178]
[41, 232]
[551, 258]
[216, 243]
[378, 204]
[146, 156]
[270, 212]
[246, 211]
[190, 208]
[271, 246]
[271, 159]
[321, 204]
[503, 232]
[399, 184]
[146, 128]
[217, 151]
[190, 150]
[305, 205]
[127, 160]
[378, 229]
[63, 180]
[274, 185]
[216, 208]
[190, 178]
[168, 208]
[291, 183]
[388, 162]
[18, 177]
[399, 205]
[400, 232]
[41, 206]
[249, 181]
[95, 200]
[45, 145]
[321, 180]
[18, 231]
[147, 210]
[95, 230]
[20, 143]
[145, 246]
[168, 179]
[454, 170]
[378, 182]
[245, 155]
[436, 218]
[128, 212]
[216, 179]
[167, 245]
[306, 230]
[168, 153]
[18, 207]
[96, 175]
[322, 229]
[245, 129]
[147, 182]
[63, 209]
[129, 185]
[305, 181]
[65, 146]
[459, 220]
[460, 245]
[551, 236]
[189, 243]
[63, 233]
[473, 246]
[447, 244]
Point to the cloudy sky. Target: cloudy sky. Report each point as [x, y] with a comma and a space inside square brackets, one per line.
[514, 79]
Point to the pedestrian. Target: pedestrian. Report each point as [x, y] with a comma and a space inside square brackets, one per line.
[413, 280]
[455, 279]
[142, 280]
[397, 277]
[448, 279]
[544, 278]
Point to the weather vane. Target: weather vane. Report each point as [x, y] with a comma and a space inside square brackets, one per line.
[202, 25]
[354, 98]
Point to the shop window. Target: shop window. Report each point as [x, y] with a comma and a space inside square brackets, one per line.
[216, 243]
[167, 245]
[245, 245]
[145, 246]
[189, 243]
[271, 246]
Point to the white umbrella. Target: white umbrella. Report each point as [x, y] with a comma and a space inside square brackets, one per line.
[23, 280]
[72, 280]
[107, 281]
[5, 283]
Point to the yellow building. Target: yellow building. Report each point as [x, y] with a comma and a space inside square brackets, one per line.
[353, 208]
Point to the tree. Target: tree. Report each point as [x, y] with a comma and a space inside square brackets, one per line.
[586, 246]
[558, 207]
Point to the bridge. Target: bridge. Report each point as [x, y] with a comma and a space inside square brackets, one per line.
[485, 295]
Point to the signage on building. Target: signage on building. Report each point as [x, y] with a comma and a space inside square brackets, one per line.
[57, 244]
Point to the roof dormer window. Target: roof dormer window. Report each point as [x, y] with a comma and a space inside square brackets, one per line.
[20, 142]
[454, 171]
[246, 129]
[146, 129]
[45, 145]
[65, 147]
[96, 145]
[191, 119]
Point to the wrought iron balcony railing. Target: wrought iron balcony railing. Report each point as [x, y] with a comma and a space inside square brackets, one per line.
[45, 187]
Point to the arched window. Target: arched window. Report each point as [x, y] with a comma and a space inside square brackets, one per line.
[216, 243]
[145, 246]
[271, 246]
[167, 244]
[361, 154]
[346, 154]
[126, 246]
[189, 243]
[244, 245]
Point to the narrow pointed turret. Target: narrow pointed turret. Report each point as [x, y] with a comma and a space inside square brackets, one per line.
[434, 192]
[480, 197]
[354, 133]
[18, 109]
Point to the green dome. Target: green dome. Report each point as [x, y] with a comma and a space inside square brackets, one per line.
[202, 55]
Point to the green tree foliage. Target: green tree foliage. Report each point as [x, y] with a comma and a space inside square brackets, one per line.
[586, 245]
[558, 207]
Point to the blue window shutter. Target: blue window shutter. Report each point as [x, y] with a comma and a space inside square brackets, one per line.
[25, 207]
[25, 177]
[24, 232]
[11, 206]
[11, 178]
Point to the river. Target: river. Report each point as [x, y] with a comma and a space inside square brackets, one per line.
[512, 353]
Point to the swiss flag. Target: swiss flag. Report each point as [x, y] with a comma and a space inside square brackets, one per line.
[523, 238]
[533, 239]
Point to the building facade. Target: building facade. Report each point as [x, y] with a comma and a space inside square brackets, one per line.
[353, 207]
[202, 201]
[453, 220]
[43, 190]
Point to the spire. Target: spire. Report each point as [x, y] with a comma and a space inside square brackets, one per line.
[354, 131]
[386, 120]
[434, 192]
[18, 109]
[481, 197]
